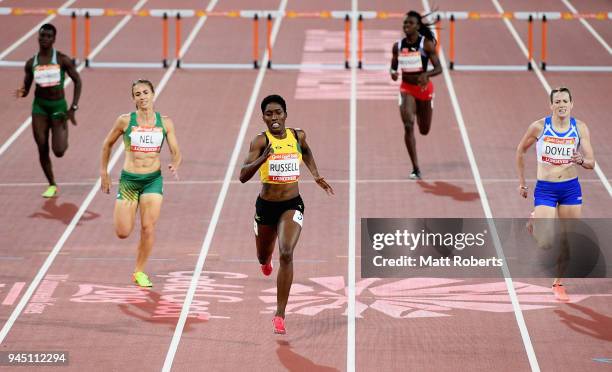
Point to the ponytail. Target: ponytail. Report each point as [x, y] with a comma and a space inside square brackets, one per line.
[424, 26]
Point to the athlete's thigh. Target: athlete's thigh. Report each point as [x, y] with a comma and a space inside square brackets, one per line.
[570, 211]
[407, 108]
[545, 211]
[40, 128]
[150, 208]
[289, 228]
[59, 131]
[124, 215]
[265, 237]
[544, 224]
[424, 114]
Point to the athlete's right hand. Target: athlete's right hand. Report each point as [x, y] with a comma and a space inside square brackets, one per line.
[267, 151]
[394, 74]
[20, 93]
[523, 190]
[106, 183]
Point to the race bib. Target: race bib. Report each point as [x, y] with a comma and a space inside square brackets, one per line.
[557, 150]
[298, 217]
[283, 167]
[410, 61]
[146, 139]
[47, 75]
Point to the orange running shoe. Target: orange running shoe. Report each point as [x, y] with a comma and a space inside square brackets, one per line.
[267, 268]
[279, 325]
[559, 292]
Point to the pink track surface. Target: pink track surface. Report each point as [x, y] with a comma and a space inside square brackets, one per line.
[87, 306]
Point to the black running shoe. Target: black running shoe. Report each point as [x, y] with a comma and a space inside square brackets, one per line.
[416, 174]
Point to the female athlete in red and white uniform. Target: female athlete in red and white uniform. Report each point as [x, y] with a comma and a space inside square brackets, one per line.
[410, 57]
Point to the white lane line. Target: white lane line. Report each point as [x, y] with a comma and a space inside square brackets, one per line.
[518, 314]
[547, 87]
[588, 26]
[352, 231]
[67, 82]
[346, 181]
[73, 223]
[34, 30]
[178, 331]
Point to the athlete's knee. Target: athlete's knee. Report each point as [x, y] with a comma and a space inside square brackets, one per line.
[43, 151]
[147, 229]
[286, 257]
[409, 129]
[424, 130]
[122, 233]
[59, 151]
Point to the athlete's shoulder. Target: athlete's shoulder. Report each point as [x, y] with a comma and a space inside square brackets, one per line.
[539, 123]
[124, 117]
[30, 62]
[579, 122]
[299, 132]
[582, 127]
[260, 137]
[63, 59]
[535, 128]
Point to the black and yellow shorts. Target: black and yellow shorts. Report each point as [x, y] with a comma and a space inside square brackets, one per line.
[269, 212]
[132, 185]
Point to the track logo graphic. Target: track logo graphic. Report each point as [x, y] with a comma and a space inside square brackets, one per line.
[413, 297]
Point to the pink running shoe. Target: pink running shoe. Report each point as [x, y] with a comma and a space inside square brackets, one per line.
[267, 268]
[560, 294]
[279, 325]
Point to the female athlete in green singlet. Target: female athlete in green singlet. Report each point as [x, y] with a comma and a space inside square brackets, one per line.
[141, 183]
[49, 109]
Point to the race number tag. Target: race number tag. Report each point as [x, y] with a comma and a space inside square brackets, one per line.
[146, 139]
[410, 61]
[284, 168]
[557, 151]
[47, 75]
[298, 217]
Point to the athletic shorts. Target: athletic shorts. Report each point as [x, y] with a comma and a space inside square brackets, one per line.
[55, 109]
[557, 193]
[418, 92]
[132, 185]
[269, 212]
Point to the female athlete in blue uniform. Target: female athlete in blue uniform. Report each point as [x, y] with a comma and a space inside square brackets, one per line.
[563, 145]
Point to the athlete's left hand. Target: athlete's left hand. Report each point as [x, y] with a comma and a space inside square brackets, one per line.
[174, 169]
[71, 117]
[577, 158]
[324, 185]
[423, 79]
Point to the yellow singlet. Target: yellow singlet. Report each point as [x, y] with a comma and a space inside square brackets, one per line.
[284, 165]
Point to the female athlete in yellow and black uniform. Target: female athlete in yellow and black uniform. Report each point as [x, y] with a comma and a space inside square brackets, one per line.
[410, 56]
[49, 109]
[141, 183]
[279, 210]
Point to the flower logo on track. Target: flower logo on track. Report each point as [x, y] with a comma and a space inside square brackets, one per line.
[413, 297]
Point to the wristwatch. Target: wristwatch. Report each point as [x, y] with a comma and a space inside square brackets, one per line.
[74, 107]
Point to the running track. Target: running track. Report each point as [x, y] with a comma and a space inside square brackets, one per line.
[86, 306]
